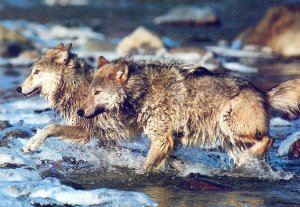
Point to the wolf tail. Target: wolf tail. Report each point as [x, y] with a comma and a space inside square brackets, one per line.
[286, 98]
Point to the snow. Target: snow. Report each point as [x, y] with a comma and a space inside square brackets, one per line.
[8, 156]
[51, 191]
[285, 145]
[234, 66]
[20, 173]
[230, 52]
[186, 14]
[277, 121]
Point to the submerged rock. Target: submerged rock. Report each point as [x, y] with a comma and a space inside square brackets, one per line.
[278, 29]
[196, 184]
[192, 15]
[140, 41]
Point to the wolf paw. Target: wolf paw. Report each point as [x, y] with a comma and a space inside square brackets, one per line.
[33, 144]
[150, 168]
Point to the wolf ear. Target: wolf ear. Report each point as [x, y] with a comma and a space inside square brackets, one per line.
[68, 47]
[60, 46]
[121, 72]
[102, 61]
[63, 56]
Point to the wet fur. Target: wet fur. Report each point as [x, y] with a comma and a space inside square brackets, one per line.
[66, 92]
[186, 104]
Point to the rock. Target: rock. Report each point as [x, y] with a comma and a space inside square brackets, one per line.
[140, 41]
[93, 45]
[16, 132]
[197, 184]
[10, 49]
[191, 15]
[9, 35]
[294, 151]
[12, 42]
[30, 54]
[278, 29]
[3, 143]
[4, 124]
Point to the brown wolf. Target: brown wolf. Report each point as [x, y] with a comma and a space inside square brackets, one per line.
[63, 79]
[188, 105]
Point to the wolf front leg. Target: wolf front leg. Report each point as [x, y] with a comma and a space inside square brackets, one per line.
[161, 147]
[72, 133]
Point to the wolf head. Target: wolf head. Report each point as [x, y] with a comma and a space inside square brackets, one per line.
[47, 72]
[107, 90]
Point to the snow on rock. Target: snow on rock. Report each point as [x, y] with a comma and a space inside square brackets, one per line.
[18, 174]
[189, 15]
[47, 36]
[8, 156]
[236, 53]
[285, 145]
[234, 66]
[51, 191]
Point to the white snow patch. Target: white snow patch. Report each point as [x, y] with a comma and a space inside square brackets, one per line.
[277, 121]
[235, 66]
[50, 191]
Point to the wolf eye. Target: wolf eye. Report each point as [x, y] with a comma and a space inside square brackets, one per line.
[36, 72]
[96, 92]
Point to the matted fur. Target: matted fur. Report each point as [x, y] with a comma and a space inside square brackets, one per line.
[173, 103]
[63, 79]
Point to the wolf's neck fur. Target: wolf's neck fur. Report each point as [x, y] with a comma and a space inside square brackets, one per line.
[73, 90]
[135, 89]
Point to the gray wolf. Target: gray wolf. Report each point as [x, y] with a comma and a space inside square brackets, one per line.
[188, 105]
[63, 79]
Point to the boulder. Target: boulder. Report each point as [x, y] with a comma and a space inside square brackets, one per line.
[12, 42]
[30, 54]
[140, 41]
[10, 35]
[278, 29]
[189, 15]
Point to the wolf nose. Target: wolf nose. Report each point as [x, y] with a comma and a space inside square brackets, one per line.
[80, 112]
[19, 89]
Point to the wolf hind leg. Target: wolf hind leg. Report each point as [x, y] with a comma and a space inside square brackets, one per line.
[258, 149]
[71, 133]
[159, 150]
[260, 146]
